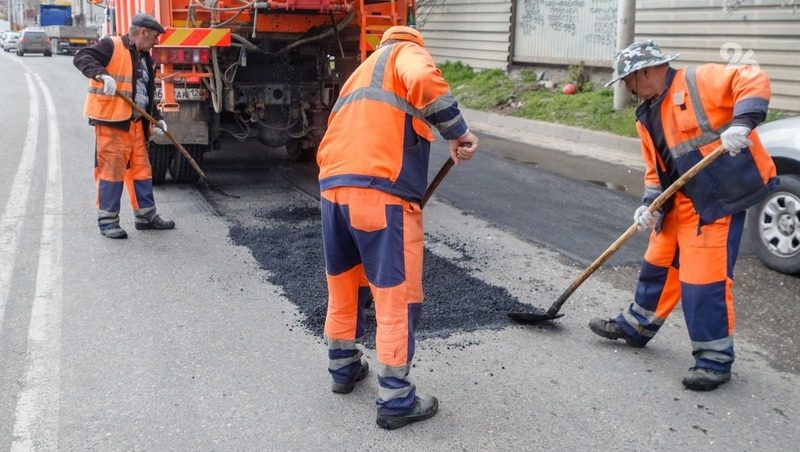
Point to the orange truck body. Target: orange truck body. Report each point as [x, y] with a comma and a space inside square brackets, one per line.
[269, 71]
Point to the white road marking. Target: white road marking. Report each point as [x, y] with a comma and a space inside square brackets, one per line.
[36, 415]
[14, 212]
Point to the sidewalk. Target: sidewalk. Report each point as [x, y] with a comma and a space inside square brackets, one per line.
[603, 146]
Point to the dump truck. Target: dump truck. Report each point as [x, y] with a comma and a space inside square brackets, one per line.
[265, 72]
[65, 35]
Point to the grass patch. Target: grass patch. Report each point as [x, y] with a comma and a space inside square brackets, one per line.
[492, 90]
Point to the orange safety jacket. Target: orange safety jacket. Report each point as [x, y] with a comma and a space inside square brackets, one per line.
[684, 124]
[111, 108]
[378, 131]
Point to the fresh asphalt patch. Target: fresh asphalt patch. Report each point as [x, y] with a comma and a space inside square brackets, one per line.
[289, 248]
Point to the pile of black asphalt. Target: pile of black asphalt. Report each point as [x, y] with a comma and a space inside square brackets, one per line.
[289, 248]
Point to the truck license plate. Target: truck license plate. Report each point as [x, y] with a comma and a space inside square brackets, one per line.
[78, 41]
[185, 93]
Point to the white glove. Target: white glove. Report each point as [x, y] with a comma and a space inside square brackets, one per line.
[645, 219]
[160, 128]
[734, 138]
[109, 85]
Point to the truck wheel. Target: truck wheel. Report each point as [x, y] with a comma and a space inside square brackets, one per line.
[181, 170]
[48, 54]
[774, 226]
[160, 158]
[296, 151]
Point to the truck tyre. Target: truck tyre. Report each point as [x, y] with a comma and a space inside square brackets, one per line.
[48, 54]
[296, 151]
[774, 226]
[160, 157]
[181, 170]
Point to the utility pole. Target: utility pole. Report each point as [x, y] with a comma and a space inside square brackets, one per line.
[626, 21]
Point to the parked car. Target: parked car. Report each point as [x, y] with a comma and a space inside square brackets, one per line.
[3, 36]
[34, 40]
[774, 224]
[10, 41]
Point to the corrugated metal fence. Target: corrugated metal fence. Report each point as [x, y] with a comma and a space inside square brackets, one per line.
[759, 32]
[480, 33]
[475, 32]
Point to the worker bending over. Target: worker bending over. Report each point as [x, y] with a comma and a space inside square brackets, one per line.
[685, 115]
[373, 165]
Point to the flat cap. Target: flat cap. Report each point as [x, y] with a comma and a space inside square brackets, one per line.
[147, 21]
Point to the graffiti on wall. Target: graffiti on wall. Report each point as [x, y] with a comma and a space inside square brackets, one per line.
[587, 24]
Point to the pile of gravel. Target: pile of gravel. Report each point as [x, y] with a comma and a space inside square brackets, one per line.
[290, 250]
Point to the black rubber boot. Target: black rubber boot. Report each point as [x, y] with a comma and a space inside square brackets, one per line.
[700, 379]
[156, 222]
[347, 388]
[610, 330]
[425, 407]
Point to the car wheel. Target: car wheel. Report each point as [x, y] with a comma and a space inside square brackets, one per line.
[774, 226]
[20, 53]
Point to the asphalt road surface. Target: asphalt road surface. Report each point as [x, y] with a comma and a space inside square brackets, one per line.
[202, 338]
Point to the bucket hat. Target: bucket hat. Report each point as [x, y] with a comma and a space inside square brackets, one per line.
[639, 55]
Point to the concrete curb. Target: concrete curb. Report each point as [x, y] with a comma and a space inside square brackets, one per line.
[574, 140]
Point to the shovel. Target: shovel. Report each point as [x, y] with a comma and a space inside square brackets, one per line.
[537, 316]
[203, 179]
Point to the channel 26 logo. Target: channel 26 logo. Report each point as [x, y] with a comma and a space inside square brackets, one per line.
[732, 53]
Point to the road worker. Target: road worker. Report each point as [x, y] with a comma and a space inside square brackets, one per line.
[684, 115]
[373, 165]
[123, 65]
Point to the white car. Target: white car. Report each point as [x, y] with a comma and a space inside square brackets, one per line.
[10, 41]
[774, 224]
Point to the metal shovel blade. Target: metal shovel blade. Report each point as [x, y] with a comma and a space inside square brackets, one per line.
[532, 318]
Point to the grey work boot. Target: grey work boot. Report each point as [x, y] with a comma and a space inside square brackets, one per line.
[425, 407]
[114, 232]
[701, 379]
[610, 330]
[156, 222]
[347, 388]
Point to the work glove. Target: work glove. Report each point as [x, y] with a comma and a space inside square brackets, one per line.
[734, 139]
[109, 85]
[644, 219]
[160, 128]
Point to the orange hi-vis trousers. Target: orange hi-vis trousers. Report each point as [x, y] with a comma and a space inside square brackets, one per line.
[373, 241]
[121, 159]
[694, 265]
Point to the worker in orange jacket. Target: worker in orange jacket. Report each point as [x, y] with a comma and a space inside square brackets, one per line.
[122, 65]
[685, 115]
[373, 165]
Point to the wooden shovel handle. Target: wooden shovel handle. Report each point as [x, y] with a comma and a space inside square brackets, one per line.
[155, 123]
[656, 205]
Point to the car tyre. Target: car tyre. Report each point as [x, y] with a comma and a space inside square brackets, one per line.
[20, 53]
[160, 158]
[181, 170]
[774, 226]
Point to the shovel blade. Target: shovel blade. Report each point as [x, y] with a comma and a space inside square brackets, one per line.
[532, 318]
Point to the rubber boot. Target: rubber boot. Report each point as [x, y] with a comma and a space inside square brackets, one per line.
[346, 388]
[425, 407]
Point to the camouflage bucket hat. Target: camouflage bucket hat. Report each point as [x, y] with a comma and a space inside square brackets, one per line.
[639, 55]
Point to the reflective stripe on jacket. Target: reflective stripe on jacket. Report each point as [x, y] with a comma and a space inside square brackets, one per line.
[111, 108]
[700, 103]
[378, 132]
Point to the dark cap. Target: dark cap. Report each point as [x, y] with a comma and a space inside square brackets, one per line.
[147, 21]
